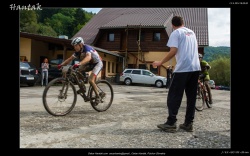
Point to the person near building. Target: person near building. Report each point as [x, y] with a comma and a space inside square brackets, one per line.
[45, 72]
[169, 75]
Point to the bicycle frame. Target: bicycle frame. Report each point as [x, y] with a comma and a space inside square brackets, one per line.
[203, 89]
[77, 75]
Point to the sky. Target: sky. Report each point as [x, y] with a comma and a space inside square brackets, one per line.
[218, 25]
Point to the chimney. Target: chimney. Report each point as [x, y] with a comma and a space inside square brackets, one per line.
[63, 36]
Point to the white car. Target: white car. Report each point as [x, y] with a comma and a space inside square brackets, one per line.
[211, 84]
[142, 76]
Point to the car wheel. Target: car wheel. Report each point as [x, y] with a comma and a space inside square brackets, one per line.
[159, 84]
[128, 81]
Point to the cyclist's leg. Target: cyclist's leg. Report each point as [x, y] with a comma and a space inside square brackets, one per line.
[210, 100]
[92, 79]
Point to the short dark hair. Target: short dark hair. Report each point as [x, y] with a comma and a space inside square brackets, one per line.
[177, 21]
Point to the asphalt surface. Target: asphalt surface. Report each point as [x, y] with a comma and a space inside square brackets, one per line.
[130, 122]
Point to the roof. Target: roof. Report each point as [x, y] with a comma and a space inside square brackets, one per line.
[111, 18]
[61, 41]
[48, 39]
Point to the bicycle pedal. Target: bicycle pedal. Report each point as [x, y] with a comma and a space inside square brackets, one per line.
[78, 92]
[86, 99]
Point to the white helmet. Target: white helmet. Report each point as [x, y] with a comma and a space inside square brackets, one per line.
[77, 40]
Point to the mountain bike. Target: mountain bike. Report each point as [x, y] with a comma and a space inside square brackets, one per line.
[60, 95]
[203, 95]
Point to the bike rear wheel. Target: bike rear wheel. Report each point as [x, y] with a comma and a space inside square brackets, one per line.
[105, 87]
[200, 102]
[59, 97]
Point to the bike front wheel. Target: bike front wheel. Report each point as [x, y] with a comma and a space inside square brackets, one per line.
[106, 93]
[59, 97]
[199, 100]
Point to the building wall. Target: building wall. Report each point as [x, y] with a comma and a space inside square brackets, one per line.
[151, 57]
[38, 49]
[25, 48]
[121, 39]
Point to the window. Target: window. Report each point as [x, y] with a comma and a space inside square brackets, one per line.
[142, 66]
[111, 37]
[146, 73]
[157, 36]
[128, 71]
[153, 70]
[136, 72]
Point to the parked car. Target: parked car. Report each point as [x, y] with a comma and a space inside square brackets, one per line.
[211, 84]
[222, 87]
[142, 76]
[54, 72]
[28, 73]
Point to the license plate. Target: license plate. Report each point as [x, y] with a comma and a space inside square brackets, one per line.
[30, 78]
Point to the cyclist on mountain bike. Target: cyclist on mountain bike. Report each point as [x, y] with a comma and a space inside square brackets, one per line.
[205, 75]
[89, 60]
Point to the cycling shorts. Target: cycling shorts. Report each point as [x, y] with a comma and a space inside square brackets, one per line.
[94, 67]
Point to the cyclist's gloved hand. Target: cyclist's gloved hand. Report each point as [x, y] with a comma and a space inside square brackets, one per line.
[59, 66]
[75, 66]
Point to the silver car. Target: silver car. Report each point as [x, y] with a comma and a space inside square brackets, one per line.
[142, 76]
[211, 84]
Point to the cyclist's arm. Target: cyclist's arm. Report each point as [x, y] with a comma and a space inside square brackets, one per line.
[68, 60]
[86, 59]
[208, 66]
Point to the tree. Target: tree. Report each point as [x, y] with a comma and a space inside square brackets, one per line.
[28, 21]
[47, 31]
[220, 71]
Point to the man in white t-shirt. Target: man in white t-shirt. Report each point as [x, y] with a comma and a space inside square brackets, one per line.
[183, 45]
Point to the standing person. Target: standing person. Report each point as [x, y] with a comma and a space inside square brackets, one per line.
[183, 45]
[89, 60]
[169, 75]
[205, 76]
[45, 72]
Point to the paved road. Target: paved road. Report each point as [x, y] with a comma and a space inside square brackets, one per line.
[129, 123]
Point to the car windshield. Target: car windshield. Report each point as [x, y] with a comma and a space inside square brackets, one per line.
[26, 65]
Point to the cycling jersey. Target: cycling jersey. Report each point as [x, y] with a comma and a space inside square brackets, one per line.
[95, 64]
[95, 58]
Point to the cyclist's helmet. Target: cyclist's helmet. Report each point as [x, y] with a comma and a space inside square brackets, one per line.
[200, 56]
[77, 40]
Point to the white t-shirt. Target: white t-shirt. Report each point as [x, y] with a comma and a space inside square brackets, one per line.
[187, 57]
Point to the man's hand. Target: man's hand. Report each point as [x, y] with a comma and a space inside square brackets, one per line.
[76, 66]
[59, 66]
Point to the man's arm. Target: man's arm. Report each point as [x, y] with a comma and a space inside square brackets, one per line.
[171, 54]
